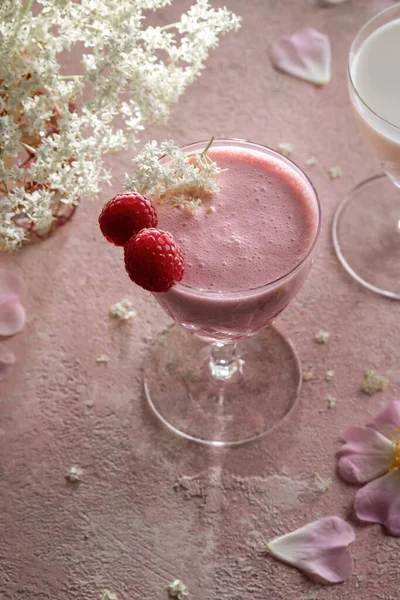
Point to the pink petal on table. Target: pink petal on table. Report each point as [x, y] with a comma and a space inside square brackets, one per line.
[7, 359]
[388, 421]
[366, 454]
[9, 284]
[331, 2]
[305, 54]
[379, 502]
[12, 316]
[319, 548]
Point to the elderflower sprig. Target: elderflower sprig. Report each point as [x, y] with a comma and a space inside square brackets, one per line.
[166, 174]
[55, 127]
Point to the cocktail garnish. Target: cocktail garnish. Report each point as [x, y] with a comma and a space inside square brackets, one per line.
[183, 180]
[154, 260]
[124, 216]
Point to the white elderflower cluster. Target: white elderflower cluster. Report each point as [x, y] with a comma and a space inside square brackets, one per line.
[181, 179]
[56, 126]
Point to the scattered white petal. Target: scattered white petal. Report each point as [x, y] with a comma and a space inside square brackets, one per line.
[308, 375]
[319, 549]
[74, 474]
[305, 54]
[323, 484]
[322, 336]
[331, 2]
[329, 375]
[374, 383]
[331, 400]
[178, 590]
[335, 172]
[107, 595]
[285, 148]
[103, 359]
[123, 310]
[311, 162]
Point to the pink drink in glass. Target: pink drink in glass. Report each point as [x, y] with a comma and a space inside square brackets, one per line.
[248, 249]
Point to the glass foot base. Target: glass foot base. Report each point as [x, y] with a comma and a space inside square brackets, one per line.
[184, 395]
[366, 235]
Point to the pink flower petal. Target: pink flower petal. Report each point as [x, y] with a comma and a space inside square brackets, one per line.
[388, 421]
[12, 313]
[305, 54]
[12, 317]
[319, 548]
[7, 359]
[9, 284]
[366, 455]
[331, 2]
[379, 502]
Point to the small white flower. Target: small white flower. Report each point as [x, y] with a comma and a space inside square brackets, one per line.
[335, 172]
[123, 310]
[74, 474]
[331, 400]
[329, 375]
[178, 590]
[321, 337]
[308, 375]
[311, 162]
[323, 484]
[107, 595]
[103, 359]
[373, 382]
[285, 148]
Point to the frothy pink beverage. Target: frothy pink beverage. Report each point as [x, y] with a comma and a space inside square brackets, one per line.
[247, 249]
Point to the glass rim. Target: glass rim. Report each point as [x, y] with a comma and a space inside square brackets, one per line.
[282, 278]
[351, 55]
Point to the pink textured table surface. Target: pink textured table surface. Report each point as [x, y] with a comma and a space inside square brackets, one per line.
[152, 507]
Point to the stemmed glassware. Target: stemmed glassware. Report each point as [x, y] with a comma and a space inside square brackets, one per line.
[366, 227]
[224, 376]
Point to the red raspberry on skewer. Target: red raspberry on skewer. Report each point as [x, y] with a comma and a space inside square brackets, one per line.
[125, 215]
[154, 260]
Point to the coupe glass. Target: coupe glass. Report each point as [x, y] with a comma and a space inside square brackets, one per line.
[366, 227]
[223, 376]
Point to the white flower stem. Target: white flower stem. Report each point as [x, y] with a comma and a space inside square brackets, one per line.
[27, 7]
[5, 186]
[70, 77]
[170, 26]
[29, 148]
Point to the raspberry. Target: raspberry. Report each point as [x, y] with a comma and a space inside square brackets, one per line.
[153, 260]
[124, 216]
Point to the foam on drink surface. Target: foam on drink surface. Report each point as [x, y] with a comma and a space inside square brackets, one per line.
[263, 225]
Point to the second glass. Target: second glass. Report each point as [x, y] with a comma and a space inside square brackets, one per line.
[366, 227]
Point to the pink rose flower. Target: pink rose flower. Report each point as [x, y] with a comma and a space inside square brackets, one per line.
[371, 455]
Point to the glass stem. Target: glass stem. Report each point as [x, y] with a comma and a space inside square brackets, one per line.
[224, 361]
